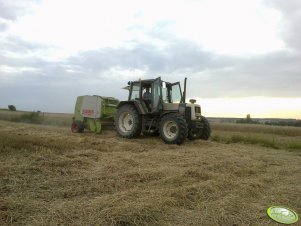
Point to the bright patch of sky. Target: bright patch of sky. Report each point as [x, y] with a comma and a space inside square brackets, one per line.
[226, 27]
[258, 107]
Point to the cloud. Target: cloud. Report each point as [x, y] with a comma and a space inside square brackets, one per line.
[179, 55]
[273, 74]
[106, 70]
[11, 10]
[46, 75]
[3, 26]
[14, 44]
[292, 17]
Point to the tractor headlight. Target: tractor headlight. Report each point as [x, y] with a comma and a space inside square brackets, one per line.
[197, 110]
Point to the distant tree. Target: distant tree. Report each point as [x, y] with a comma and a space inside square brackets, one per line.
[12, 108]
[248, 118]
[284, 122]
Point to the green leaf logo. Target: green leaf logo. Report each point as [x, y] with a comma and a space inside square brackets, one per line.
[282, 215]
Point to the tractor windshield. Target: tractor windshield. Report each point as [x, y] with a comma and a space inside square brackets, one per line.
[135, 94]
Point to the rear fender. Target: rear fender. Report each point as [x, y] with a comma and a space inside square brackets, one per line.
[136, 104]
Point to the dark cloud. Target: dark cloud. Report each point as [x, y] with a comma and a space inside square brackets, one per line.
[17, 44]
[15, 53]
[3, 27]
[7, 11]
[47, 85]
[11, 10]
[291, 12]
[53, 89]
[274, 74]
[178, 55]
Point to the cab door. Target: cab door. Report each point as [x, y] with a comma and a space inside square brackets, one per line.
[175, 93]
[157, 104]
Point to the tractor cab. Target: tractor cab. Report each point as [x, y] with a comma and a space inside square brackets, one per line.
[154, 95]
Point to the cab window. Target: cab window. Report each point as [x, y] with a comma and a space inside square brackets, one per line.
[165, 95]
[135, 94]
[175, 93]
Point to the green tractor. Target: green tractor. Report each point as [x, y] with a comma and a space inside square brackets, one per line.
[93, 112]
[155, 107]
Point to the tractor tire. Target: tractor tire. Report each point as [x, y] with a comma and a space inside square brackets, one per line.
[77, 127]
[194, 134]
[128, 121]
[206, 131]
[173, 129]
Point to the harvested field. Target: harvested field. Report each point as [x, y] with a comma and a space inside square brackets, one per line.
[57, 119]
[50, 176]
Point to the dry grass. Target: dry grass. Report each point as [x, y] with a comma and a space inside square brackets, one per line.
[50, 176]
[277, 137]
[258, 128]
[57, 119]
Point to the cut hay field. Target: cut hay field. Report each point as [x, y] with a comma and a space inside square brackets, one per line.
[57, 119]
[50, 176]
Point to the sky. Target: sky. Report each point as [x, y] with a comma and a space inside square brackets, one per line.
[240, 56]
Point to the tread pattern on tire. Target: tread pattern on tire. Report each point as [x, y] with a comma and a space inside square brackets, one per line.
[136, 130]
[206, 132]
[182, 125]
[192, 136]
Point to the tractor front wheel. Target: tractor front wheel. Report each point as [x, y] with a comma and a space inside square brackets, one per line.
[173, 129]
[206, 131]
[194, 134]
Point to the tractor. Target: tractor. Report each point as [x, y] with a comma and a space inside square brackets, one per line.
[156, 107]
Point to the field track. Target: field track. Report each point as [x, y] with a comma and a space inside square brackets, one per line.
[50, 176]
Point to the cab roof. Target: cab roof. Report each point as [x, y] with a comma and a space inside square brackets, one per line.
[147, 81]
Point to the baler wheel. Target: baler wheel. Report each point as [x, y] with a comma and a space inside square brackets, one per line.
[77, 127]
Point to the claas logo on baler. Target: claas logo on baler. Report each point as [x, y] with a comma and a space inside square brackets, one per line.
[87, 111]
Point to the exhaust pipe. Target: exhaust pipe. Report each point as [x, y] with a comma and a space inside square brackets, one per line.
[184, 93]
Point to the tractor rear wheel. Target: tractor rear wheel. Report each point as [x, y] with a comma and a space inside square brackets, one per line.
[173, 129]
[128, 121]
[206, 131]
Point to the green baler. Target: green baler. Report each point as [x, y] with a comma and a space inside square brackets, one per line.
[91, 112]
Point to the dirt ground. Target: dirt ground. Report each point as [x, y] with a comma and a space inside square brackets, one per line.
[50, 176]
